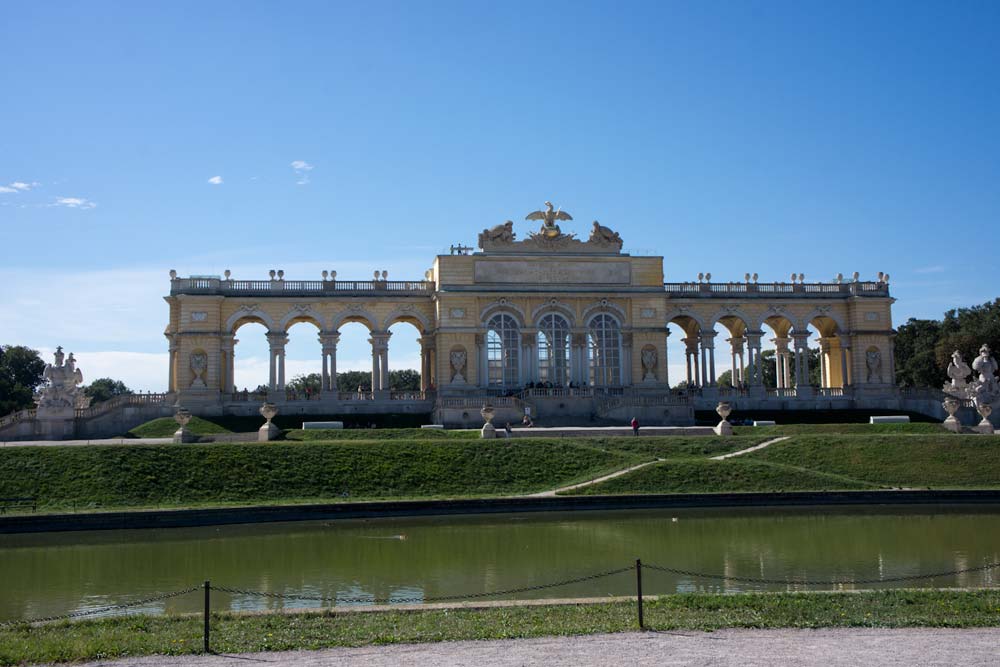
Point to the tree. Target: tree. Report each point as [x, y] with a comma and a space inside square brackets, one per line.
[305, 384]
[725, 379]
[103, 389]
[21, 371]
[404, 380]
[352, 380]
[915, 348]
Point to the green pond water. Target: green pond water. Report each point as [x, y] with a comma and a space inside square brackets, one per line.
[422, 558]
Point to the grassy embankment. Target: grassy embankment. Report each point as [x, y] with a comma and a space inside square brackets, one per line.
[828, 462]
[232, 633]
[107, 477]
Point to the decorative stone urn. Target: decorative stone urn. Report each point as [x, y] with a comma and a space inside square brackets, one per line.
[268, 431]
[182, 416]
[488, 430]
[951, 423]
[984, 410]
[724, 427]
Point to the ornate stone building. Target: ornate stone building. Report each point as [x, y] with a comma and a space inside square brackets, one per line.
[567, 328]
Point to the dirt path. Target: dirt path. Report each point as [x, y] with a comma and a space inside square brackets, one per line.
[750, 449]
[847, 647]
[617, 473]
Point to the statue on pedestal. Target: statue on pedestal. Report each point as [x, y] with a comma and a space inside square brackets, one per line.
[60, 395]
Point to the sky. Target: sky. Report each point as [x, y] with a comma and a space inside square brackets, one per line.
[728, 137]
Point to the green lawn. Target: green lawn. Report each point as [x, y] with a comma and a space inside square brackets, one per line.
[235, 633]
[382, 434]
[164, 427]
[731, 475]
[946, 461]
[108, 476]
[841, 429]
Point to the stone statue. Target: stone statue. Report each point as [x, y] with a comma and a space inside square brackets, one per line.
[873, 358]
[457, 359]
[199, 364]
[985, 365]
[958, 370]
[648, 357]
[605, 236]
[497, 235]
[60, 393]
[548, 218]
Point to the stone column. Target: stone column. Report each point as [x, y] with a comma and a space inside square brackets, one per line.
[691, 352]
[824, 360]
[736, 347]
[380, 360]
[782, 379]
[529, 351]
[757, 372]
[578, 358]
[482, 363]
[845, 365]
[172, 370]
[708, 345]
[802, 386]
[328, 342]
[426, 373]
[227, 345]
[276, 341]
[666, 365]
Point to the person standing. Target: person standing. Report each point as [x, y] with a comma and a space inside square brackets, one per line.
[635, 427]
[507, 431]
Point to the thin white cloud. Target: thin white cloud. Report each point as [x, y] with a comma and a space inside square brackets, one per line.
[18, 186]
[302, 169]
[937, 268]
[215, 180]
[74, 202]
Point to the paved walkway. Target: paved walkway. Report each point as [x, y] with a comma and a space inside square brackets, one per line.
[746, 648]
[106, 441]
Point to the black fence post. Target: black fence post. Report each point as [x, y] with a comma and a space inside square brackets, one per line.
[208, 606]
[638, 590]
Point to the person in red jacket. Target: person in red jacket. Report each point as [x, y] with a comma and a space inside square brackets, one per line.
[635, 427]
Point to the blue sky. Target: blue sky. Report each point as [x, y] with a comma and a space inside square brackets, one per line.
[728, 137]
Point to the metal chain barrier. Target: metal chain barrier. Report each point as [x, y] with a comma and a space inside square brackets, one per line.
[813, 582]
[440, 598]
[102, 610]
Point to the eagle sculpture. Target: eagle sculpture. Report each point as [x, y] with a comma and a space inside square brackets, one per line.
[548, 218]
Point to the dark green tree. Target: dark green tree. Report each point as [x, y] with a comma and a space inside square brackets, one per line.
[305, 384]
[351, 380]
[103, 389]
[915, 349]
[404, 380]
[770, 377]
[21, 371]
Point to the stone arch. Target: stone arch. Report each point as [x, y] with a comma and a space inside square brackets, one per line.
[503, 305]
[352, 314]
[604, 306]
[409, 315]
[553, 306]
[245, 315]
[299, 314]
[689, 321]
[730, 317]
[825, 320]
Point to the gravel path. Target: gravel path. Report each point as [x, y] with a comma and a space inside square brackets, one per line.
[747, 648]
[762, 445]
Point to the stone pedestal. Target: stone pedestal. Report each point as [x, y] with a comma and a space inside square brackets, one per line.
[985, 427]
[952, 424]
[183, 434]
[724, 428]
[268, 431]
[488, 431]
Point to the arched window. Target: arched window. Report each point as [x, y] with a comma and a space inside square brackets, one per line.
[604, 351]
[503, 339]
[553, 350]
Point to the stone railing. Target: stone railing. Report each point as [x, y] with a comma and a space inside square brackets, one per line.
[644, 399]
[19, 416]
[120, 401]
[782, 393]
[283, 287]
[770, 290]
[831, 392]
[556, 392]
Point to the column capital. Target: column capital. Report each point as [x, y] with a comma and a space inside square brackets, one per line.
[329, 339]
[707, 339]
[427, 340]
[753, 337]
[845, 340]
[277, 339]
[781, 343]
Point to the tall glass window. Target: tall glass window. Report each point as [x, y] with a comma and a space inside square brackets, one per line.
[604, 351]
[553, 350]
[503, 339]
